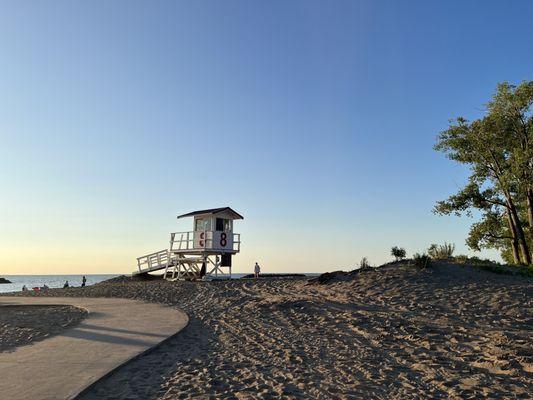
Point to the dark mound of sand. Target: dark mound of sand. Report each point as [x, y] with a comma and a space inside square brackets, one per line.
[274, 276]
[338, 276]
[135, 278]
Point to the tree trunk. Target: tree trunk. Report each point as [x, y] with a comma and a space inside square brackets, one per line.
[514, 240]
[530, 212]
[526, 256]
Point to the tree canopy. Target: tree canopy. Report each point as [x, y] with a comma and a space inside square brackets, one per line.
[498, 149]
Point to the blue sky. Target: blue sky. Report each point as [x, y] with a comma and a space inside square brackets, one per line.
[315, 120]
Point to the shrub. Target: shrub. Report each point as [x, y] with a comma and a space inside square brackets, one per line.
[364, 263]
[526, 271]
[441, 252]
[461, 259]
[398, 253]
[421, 260]
[497, 269]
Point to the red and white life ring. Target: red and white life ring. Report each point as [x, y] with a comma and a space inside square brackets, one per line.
[201, 241]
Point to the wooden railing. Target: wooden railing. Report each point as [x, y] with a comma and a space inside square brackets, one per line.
[237, 242]
[156, 260]
[198, 240]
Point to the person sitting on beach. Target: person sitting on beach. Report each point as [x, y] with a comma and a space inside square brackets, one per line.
[66, 285]
[257, 270]
[83, 281]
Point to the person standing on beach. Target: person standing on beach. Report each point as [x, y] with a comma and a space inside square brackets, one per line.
[66, 285]
[83, 281]
[257, 270]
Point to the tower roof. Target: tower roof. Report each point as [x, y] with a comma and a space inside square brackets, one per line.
[213, 211]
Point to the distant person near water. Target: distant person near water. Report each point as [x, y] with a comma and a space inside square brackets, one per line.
[257, 270]
[24, 288]
[66, 285]
[83, 281]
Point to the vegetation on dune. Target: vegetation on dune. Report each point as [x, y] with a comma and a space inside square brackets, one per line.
[464, 259]
[441, 252]
[434, 256]
[364, 263]
[398, 253]
[498, 148]
[421, 260]
[493, 266]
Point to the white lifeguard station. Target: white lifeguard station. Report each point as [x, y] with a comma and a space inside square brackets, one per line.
[203, 253]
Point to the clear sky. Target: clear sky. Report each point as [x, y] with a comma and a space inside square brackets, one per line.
[314, 119]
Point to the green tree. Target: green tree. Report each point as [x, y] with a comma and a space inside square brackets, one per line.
[498, 150]
[494, 230]
[512, 105]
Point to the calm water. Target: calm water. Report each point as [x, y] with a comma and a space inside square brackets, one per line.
[57, 281]
[53, 281]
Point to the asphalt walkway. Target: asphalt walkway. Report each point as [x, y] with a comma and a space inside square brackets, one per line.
[62, 366]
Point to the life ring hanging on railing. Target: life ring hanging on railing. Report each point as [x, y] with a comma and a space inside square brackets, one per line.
[223, 241]
[201, 242]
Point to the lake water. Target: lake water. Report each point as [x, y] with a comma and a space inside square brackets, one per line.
[53, 281]
[57, 281]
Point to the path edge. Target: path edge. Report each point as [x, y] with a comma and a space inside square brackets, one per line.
[131, 359]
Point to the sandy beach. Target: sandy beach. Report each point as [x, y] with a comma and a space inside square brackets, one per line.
[21, 326]
[396, 332]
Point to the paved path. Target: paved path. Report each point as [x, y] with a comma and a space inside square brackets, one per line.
[62, 366]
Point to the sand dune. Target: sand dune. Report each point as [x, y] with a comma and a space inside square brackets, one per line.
[396, 332]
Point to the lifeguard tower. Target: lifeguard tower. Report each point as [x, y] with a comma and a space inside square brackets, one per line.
[203, 253]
